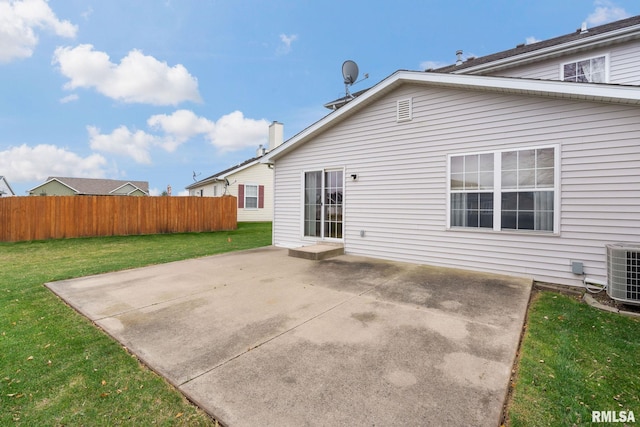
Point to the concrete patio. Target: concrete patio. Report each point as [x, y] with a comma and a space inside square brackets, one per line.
[261, 338]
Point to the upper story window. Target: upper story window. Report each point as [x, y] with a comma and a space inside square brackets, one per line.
[590, 70]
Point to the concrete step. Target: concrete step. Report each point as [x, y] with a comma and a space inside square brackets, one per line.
[318, 252]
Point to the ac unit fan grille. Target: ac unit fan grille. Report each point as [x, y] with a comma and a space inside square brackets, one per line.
[633, 275]
[623, 271]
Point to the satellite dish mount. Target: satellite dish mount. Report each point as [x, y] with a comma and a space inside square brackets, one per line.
[350, 74]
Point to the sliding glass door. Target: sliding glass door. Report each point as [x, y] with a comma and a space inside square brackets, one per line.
[323, 206]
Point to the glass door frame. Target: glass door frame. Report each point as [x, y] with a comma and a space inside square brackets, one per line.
[322, 223]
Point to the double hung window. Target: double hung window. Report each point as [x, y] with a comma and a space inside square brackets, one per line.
[505, 190]
[250, 196]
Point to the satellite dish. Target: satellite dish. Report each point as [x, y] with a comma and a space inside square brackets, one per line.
[349, 72]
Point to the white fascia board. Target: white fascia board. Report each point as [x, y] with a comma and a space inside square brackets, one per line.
[222, 176]
[551, 51]
[596, 92]
[8, 186]
[124, 185]
[203, 182]
[136, 188]
[54, 179]
[551, 88]
[238, 169]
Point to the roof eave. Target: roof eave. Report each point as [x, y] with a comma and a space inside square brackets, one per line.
[552, 88]
[54, 179]
[239, 168]
[8, 185]
[205, 181]
[220, 176]
[536, 55]
[128, 183]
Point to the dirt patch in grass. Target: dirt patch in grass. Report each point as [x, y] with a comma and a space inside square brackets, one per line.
[603, 298]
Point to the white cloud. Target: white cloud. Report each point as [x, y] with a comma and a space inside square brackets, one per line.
[606, 11]
[235, 132]
[426, 65]
[229, 133]
[138, 78]
[25, 163]
[285, 46]
[180, 127]
[531, 40]
[18, 21]
[123, 142]
[69, 98]
[87, 13]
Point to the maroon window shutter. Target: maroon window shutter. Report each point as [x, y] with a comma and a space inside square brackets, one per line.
[260, 196]
[241, 196]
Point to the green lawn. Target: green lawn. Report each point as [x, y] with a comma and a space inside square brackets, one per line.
[56, 368]
[575, 359]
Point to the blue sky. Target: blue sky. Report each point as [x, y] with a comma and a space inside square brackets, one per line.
[156, 90]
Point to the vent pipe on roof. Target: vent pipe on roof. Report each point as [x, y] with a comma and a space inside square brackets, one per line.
[458, 57]
[583, 28]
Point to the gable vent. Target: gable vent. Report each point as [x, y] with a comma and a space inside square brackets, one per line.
[404, 111]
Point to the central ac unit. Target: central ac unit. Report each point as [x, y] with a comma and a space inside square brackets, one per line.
[623, 271]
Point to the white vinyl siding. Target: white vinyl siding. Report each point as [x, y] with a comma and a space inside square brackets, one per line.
[210, 189]
[623, 65]
[257, 174]
[400, 196]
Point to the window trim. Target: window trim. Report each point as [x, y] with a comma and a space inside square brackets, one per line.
[497, 191]
[575, 61]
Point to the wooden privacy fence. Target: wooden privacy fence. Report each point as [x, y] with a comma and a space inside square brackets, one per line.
[55, 217]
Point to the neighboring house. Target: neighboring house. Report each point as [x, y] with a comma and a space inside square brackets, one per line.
[64, 186]
[520, 176]
[251, 182]
[5, 188]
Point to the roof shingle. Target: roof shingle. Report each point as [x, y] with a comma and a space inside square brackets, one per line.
[528, 48]
[92, 186]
